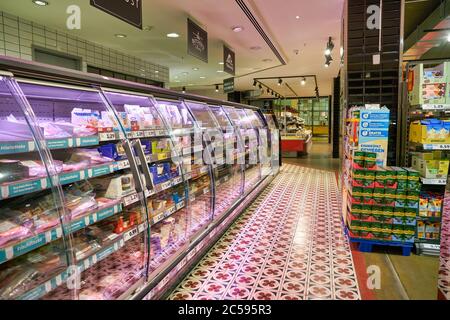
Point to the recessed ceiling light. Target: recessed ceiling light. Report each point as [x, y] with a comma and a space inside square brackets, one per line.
[177, 81]
[148, 28]
[237, 28]
[173, 35]
[267, 60]
[220, 71]
[202, 77]
[190, 84]
[255, 48]
[297, 17]
[185, 73]
[195, 69]
[120, 35]
[41, 3]
[156, 71]
[221, 63]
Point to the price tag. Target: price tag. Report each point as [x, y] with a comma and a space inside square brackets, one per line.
[191, 254]
[131, 199]
[123, 164]
[107, 136]
[138, 134]
[435, 106]
[181, 264]
[130, 234]
[166, 185]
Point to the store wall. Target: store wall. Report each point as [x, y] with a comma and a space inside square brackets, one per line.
[208, 93]
[18, 37]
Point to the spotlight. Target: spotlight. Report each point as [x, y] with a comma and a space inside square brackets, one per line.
[260, 86]
[303, 82]
[328, 61]
[280, 81]
[268, 90]
[317, 92]
[217, 88]
[183, 90]
[255, 83]
[330, 47]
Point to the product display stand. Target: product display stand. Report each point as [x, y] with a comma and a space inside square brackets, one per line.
[380, 203]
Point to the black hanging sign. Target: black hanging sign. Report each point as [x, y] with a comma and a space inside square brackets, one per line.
[197, 41]
[229, 60]
[129, 11]
[228, 85]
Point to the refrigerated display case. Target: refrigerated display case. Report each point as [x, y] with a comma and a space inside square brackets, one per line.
[110, 190]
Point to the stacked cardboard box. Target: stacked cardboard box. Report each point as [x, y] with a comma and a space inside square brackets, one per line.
[384, 202]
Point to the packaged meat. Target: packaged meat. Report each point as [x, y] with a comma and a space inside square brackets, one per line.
[37, 168]
[11, 232]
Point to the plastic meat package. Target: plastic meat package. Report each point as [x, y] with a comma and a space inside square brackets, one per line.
[24, 273]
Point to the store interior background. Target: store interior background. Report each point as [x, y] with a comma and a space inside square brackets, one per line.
[288, 47]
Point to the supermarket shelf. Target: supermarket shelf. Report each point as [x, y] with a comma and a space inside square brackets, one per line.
[430, 107]
[13, 147]
[84, 264]
[23, 187]
[134, 196]
[223, 180]
[168, 212]
[438, 146]
[183, 131]
[439, 182]
[48, 236]
[432, 249]
[112, 136]
[151, 158]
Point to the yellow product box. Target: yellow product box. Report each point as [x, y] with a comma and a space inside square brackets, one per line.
[430, 131]
[431, 168]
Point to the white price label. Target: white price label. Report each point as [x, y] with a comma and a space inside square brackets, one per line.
[131, 199]
[107, 136]
[166, 185]
[123, 164]
[138, 134]
[130, 234]
[191, 254]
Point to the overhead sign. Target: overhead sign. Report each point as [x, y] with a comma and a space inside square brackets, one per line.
[228, 85]
[129, 11]
[197, 41]
[229, 61]
[374, 133]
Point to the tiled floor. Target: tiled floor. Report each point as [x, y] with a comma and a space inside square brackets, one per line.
[288, 245]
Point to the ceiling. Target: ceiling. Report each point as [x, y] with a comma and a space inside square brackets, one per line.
[309, 34]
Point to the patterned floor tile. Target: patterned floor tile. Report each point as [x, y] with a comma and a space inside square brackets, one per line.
[288, 245]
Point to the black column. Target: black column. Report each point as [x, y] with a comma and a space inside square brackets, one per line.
[369, 83]
[336, 116]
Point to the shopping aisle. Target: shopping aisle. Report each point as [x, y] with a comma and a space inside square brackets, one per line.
[288, 245]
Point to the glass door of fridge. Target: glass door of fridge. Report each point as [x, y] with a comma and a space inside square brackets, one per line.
[228, 174]
[249, 138]
[34, 254]
[104, 196]
[273, 143]
[187, 137]
[162, 172]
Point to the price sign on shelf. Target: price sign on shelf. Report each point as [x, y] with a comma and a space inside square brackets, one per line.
[435, 106]
[130, 234]
[131, 199]
[107, 136]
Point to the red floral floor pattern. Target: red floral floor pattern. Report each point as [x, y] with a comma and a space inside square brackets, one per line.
[288, 245]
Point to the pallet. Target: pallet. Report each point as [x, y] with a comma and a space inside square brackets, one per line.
[367, 245]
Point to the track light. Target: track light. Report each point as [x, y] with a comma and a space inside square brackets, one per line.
[280, 81]
[303, 82]
[217, 88]
[317, 92]
[260, 86]
[183, 90]
[255, 83]
[328, 61]
[268, 90]
[330, 47]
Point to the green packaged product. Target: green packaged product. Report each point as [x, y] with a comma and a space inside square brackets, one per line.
[360, 174]
[400, 199]
[356, 209]
[390, 195]
[397, 229]
[357, 191]
[380, 178]
[412, 199]
[359, 159]
[413, 179]
[365, 226]
[370, 160]
[391, 178]
[402, 178]
[409, 230]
